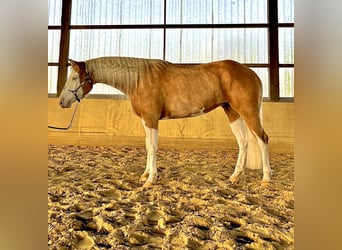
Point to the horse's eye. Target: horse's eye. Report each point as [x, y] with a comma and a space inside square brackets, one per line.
[74, 78]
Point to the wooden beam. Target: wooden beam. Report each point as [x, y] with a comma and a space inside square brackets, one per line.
[164, 32]
[64, 45]
[273, 49]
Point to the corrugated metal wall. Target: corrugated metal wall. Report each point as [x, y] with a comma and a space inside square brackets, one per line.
[247, 45]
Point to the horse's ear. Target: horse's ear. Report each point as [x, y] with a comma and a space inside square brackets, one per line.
[72, 62]
[74, 65]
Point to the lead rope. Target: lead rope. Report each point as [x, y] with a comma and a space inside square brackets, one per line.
[70, 124]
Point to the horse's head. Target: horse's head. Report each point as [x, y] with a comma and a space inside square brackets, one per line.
[79, 84]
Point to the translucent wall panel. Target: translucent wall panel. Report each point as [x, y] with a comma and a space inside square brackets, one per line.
[286, 79]
[286, 45]
[243, 45]
[117, 12]
[218, 11]
[204, 45]
[87, 44]
[286, 11]
[240, 11]
[54, 12]
[52, 79]
[54, 37]
[182, 45]
[189, 45]
[189, 11]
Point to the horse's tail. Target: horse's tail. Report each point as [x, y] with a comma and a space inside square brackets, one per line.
[254, 158]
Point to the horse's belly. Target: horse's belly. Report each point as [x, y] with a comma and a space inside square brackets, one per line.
[191, 102]
[187, 111]
[183, 114]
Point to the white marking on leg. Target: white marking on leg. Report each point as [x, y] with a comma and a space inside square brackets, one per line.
[151, 148]
[239, 130]
[266, 168]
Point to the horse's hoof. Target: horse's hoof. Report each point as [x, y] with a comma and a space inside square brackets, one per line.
[143, 178]
[233, 179]
[265, 183]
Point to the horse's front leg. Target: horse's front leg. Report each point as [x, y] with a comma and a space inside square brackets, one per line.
[150, 173]
[146, 173]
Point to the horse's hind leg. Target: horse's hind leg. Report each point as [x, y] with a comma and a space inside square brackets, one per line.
[239, 130]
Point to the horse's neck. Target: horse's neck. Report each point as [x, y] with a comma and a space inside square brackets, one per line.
[120, 73]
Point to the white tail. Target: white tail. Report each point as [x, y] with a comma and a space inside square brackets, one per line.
[254, 154]
[248, 143]
[254, 159]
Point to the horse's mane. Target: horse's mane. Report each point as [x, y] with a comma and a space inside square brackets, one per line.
[122, 72]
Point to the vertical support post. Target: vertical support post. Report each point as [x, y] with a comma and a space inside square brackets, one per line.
[64, 45]
[164, 32]
[273, 49]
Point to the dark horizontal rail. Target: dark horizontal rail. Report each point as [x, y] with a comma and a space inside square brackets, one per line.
[170, 26]
[53, 64]
[286, 25]
[286, 65]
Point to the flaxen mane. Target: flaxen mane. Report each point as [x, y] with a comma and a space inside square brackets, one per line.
[123, 72]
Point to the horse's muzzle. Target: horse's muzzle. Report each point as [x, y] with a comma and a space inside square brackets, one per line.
[64, 104]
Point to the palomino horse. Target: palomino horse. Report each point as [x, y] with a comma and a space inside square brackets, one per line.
[162, 90]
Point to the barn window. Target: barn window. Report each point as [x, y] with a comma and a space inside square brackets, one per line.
[258, 33]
